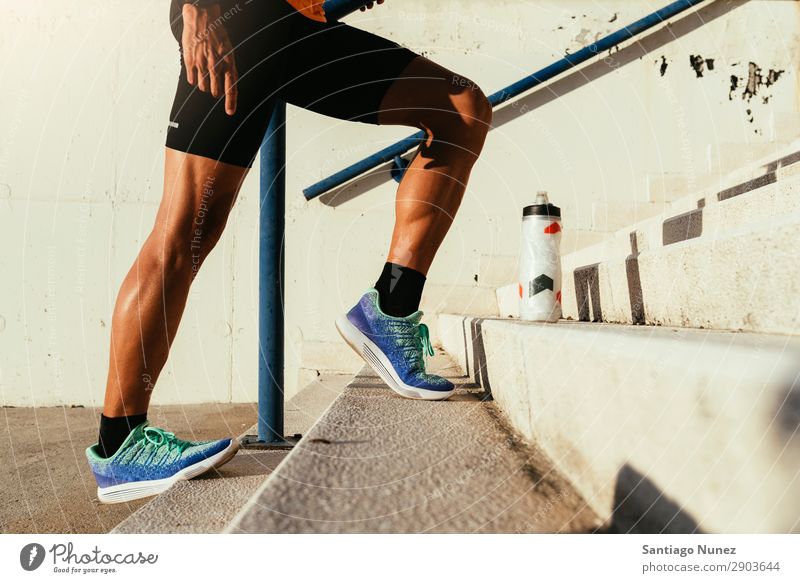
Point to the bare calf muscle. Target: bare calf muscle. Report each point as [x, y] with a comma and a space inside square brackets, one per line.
[199, 194]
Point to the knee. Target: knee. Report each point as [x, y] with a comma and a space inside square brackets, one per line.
[167, 258]
[469, 118]
[179, 247]
[172, 254]
[475, 110]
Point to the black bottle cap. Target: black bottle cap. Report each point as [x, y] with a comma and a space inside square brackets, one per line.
[541, 210]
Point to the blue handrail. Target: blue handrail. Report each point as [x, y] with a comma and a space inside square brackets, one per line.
[525, 84]
[271, 268]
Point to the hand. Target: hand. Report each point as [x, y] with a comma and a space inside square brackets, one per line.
[208, 54]
[371, 4]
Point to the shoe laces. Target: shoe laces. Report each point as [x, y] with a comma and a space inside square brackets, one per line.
[159, 437]
[420, 343]
[425, 339]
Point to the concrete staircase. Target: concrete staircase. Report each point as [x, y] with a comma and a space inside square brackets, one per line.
[378, 463]
[375, 462]
[600, 425]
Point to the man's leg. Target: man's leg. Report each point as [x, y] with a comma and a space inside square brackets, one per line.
[384, 327]
[212, 140]
[456, 115]
[347, 73]
[351, 74]
[198, 196]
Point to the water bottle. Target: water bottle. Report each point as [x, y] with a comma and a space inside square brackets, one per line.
[540, 262]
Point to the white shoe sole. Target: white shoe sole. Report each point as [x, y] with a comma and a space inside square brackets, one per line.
[374, 357]
[145, 488]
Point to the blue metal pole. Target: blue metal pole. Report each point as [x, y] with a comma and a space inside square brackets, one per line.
[509, 92]
[271, 282]
[272, 217]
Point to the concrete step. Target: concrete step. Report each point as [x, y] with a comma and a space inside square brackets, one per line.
[209, 502]
[731, 263]
[376, 462]
[659, 429]
[752, 160]
[725, 165]
[608, 216]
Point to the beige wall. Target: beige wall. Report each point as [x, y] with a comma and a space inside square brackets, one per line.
[86, 89]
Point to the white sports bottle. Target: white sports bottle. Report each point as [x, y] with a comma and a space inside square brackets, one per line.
[540, 262]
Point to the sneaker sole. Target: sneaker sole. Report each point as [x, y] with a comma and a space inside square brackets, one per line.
[376, 359]
[135, 490]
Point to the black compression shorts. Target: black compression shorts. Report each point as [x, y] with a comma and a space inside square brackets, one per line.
[330, 68]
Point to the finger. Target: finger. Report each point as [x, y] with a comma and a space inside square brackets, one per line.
[188, 62]
[187, 54]
[214, 77]
[231, 89]
[202, 76]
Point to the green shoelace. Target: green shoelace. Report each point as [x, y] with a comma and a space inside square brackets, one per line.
[425, 339]
[159, 437]
[417, 344]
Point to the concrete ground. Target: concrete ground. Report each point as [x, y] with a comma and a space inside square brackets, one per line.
[208, 503]
[47, 486]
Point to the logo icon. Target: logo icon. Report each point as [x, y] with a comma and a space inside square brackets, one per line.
[552, 228]
[31, 556]
[541, 283]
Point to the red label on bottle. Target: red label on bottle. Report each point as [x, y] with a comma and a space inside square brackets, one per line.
[552, 228]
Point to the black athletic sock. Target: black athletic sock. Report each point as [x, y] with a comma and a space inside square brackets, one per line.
[114, 430]
[399, 289]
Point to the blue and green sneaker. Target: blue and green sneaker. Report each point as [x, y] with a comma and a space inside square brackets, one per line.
[394, 347]
[150, 460]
